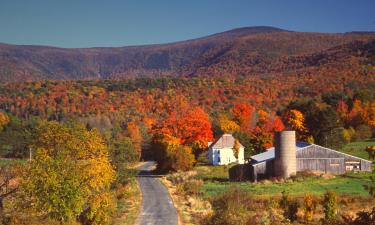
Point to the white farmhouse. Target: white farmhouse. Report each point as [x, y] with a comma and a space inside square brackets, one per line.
[220, 152]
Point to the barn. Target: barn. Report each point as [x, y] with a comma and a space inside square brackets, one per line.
[289, 157]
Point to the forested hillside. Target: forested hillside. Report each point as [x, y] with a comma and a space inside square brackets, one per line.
[244, 51]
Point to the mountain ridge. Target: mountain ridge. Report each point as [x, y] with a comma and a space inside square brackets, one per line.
[240, 51]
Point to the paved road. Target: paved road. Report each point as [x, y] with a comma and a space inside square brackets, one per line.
[157, 207]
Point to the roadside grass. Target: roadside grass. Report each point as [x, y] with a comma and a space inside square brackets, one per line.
[129, 200]
[5, 162]
[216, 182]
[358, 148]
[129, 204]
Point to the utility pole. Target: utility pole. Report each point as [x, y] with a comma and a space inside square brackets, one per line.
[30, 154]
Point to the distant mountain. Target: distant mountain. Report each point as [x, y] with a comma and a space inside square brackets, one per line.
[243, 51]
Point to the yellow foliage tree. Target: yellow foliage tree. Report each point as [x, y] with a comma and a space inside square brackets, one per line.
[171, 155]
[4, 120]
[236, 148]
[69, 174]
[295, 120]
[227, 125]
[309, 206]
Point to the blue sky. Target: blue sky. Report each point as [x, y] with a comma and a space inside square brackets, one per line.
[97, 23]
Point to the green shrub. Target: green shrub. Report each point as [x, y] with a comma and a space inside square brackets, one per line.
[330, 205]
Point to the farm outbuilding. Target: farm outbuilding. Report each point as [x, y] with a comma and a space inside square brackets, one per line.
[289, 157]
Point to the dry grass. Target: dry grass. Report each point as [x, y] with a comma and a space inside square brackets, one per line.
[190, 208]
[129, 201]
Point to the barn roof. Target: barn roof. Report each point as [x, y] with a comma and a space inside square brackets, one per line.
[270, 152]
[225, 141]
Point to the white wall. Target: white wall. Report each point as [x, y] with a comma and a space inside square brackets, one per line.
[225, 155]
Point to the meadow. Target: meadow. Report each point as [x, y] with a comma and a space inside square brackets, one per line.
[216, 180]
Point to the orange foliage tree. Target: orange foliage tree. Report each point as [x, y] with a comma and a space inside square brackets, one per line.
[192, 127]
[263, 133]
[135, 135]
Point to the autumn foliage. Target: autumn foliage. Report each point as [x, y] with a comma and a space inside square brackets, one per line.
[171, 155]
[191, 127]
[70, 174]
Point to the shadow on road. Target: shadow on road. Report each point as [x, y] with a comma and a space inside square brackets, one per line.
[148, 170]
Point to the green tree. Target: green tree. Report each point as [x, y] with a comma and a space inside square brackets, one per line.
[363, 132]
[123, 151]
[16, 137]
[246, 141]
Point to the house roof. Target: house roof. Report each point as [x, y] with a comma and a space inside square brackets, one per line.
[225, 141]
[270, 152]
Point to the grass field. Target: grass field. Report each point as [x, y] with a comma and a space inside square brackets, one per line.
[350, 184]
[216, 182]
[358, 148]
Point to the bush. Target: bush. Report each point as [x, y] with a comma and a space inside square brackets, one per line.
[238, 207]
[289, 207]
[309, 206]
[330, 205]
[182, 159]
[233, 208]
[192, 187]
[348, 134]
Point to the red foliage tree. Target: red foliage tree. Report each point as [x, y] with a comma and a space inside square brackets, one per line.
[243, 115]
